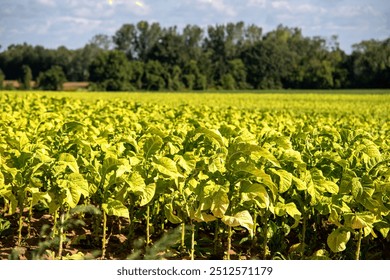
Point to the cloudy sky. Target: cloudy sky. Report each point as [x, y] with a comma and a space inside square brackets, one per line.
[73, 23]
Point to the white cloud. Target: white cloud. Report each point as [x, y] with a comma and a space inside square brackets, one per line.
[47, 2]
[257, 3]
[298, 8]
[220, 6]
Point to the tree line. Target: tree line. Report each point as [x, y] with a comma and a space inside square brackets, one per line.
[232, 56]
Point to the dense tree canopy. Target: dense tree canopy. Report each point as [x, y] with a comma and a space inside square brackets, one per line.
[233, 56]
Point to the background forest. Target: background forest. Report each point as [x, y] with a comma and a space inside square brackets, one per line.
[234, 56]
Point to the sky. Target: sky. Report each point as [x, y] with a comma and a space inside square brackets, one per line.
[73, 23]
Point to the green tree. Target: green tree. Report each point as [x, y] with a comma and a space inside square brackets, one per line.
[125, 38]
[52, 79]
[370, 64]
[110, 71]
[137, 73]
[102, 41]
[26, 77]
[147, 36]
[155, 76]
[2, 78]
[193, 79]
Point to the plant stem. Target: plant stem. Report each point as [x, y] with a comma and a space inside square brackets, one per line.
[254, 229]
[29, 220]
[130, 236]
[104, 234]
[360, 237]
[147, 225]
[304, 225]
[20, 223]
[183, 234]
[192, 241]
[229, 245]
[61, 234]
[265, 237]
[216, 236]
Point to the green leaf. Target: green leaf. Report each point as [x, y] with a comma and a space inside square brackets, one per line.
[359, 220]
[110, 164]
[357, 188]
[301, 185]
[256, 192]
[285, 179]
[291, 209]
[75, 185]
[236, 150]
[320, 182]
[168, 211]
[220, 203]
[261, 176]
[67, 160]
[283, 141]
[187, 161]
[136, 182]
[383, 227]
[337, 240]
[148, 194]
[152, 145]
[242, 218]
[72, 127]
[214, 135]
[40, 196]
[167, 167]
[115, 207]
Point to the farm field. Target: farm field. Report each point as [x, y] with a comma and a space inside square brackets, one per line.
[195, 175]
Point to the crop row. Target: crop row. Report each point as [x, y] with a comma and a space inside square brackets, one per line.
[235, 182]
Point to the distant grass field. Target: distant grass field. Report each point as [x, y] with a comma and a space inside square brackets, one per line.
[349, 101]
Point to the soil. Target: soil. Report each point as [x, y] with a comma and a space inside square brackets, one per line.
[80, 241]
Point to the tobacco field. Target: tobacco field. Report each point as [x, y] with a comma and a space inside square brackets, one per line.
[194, 176]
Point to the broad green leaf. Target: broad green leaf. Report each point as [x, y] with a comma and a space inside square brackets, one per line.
[261, 176]
[371, 149]
[167, 167]
[214, 135]
[383, 227]
[291, 209]
[110, 164]
[337, 240]
[75, 185]
[72, 127]
[202, 216]
[67, 160]
[301, 185]
[359, 220]
[115, 208]
[220, 204]
[235, 151]
[152, 145]
[148, 194]
[283, 141]
[285, 179]
[6, 192]
[136, 183]
[40, 196]
[122, 169]
[242, 218]
[187, 161]
[321, 182]
[357, 188]
[168, 211]
[256, 192]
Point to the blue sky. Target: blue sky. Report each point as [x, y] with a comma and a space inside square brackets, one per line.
[73, 23]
